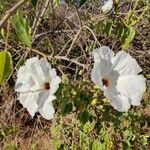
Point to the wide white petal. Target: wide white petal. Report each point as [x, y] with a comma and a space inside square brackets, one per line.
[34, 69]
[132, 87]
[47, 111]
[103, 52]
[23, 82]
[102, 57]
[46, 68]
[28, 79]
[96, 75]
[54, 84]
[119, 102]
[52, 73]
[125, 64]
[107, 6]
[29, 101]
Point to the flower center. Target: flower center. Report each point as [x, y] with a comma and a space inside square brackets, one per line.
[105, 82]
[46, 86]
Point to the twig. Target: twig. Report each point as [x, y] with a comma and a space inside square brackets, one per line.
[49, 32]
[38, 19]
[10, 12]
[96, 40]
[71, 60]
[78, 15]
[38, 10]
[74, 39]
[76, 36]
[59, 58]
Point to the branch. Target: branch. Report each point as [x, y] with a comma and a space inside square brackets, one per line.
[71, 60]
[10, 12]
[60, 58]
[39, 17]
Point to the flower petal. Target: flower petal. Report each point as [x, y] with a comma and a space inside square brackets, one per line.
[102, 65]
[47, 111]
[125, 64]
[23, 78]
[29, 79]
[119, 102]
[107, 6]
[29, 101]
[34, 69]
[132, 87]
[46, 68]
[96, 75]
[54, 84]
[103, 52]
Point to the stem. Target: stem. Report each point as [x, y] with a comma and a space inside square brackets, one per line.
[10, 12]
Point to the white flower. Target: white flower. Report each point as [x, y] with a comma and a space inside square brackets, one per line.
[117, 75]
[107, 6]
[36, 84]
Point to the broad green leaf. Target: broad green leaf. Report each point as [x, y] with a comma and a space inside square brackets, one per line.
[22, 28]
[84, 117]
[5, 65]
[128, 37]
[34, 2]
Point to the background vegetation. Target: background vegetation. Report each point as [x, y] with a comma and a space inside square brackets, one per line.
[66, 33]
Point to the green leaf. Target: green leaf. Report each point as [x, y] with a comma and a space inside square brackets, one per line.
[34, 2]
[2, 134]
[120, 31]
[66, 107]
[84, 117]
[128, 37]
[11, 147]
[96, 145]
[5, 65]
[108, 27]
[56, 2]
[21, 27]
[63, 104]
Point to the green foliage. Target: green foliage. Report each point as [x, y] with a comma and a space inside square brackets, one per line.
[56, 2]
[127, 37]
[56, 134]
[2, 134]
[104, 141]
[5, 66]
[21, 27]
[84, 120]
[34, 2]
[96, 145]
[108, 27]
[66, 107]
[11, 147]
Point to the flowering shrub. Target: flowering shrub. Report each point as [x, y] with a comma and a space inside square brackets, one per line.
[74, 74]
